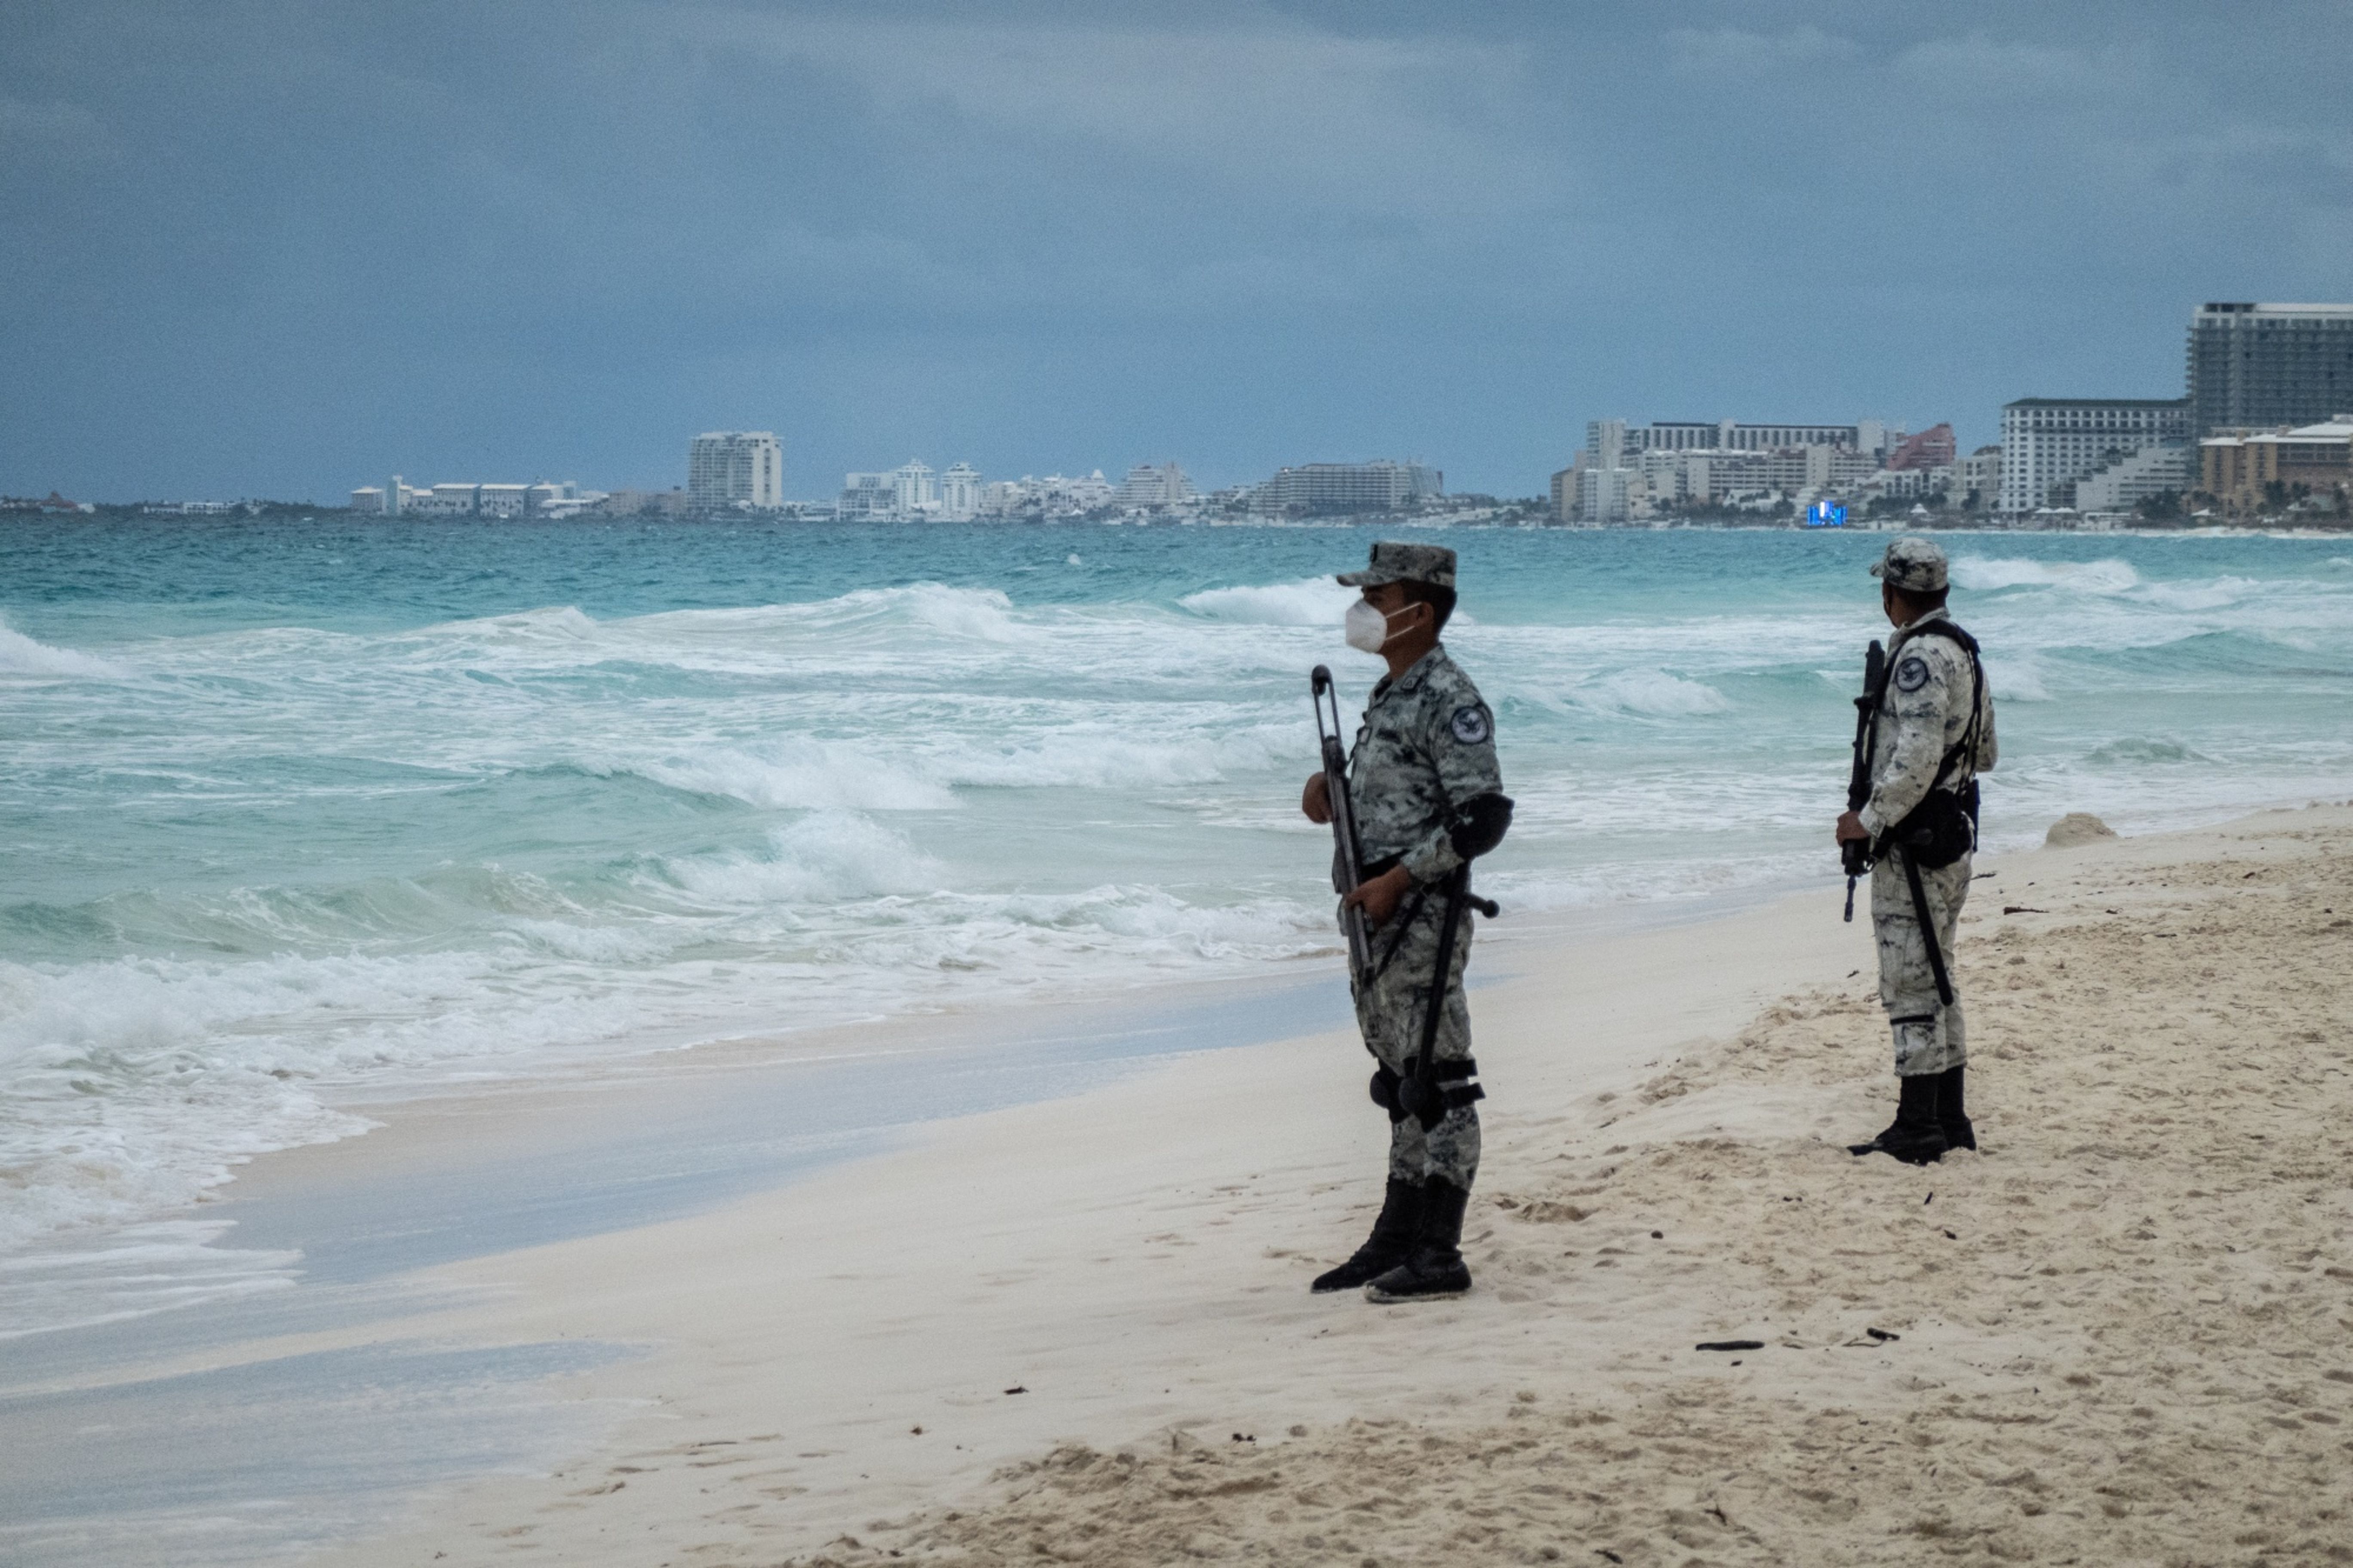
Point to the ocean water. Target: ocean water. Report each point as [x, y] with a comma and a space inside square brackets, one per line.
[292, 815]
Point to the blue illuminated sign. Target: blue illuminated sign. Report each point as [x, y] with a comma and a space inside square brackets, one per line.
[1826, 514]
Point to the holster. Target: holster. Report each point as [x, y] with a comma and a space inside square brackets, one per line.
[1939, 830]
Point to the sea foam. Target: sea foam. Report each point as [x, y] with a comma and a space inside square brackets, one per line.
[806, 775]
[20, 655]
[1990, 574]
[1309, 602]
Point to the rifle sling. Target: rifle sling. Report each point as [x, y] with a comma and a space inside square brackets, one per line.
[1458, 891]
[1928, 928]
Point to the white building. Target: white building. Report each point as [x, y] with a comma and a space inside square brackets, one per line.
[398, 496]
[1003, 497]
[543, 498]
[1868, 437]
[1626, 483]
[868, 498]
[915, 490]
[1911, 484]
[1979, 475]
[500, 501]
[1056, 495]
[1629, 472]
[2050, 443]
[1382, 484]
[2125, 481]
[1148, 486]
[960, 493]
[1605, 495]
[735, 471]
[446, 500]
[556, 500]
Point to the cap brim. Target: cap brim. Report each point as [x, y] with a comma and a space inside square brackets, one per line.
[1878, 568]
[1368, 579]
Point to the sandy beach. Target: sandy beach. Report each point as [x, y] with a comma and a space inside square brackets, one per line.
[1077, 1330]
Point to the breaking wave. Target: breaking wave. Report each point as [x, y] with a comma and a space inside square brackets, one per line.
[1990, 574]
[1309, 602]
[20, 655]
[1651, 693]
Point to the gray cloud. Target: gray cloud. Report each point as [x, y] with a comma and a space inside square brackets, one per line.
[1737, 51]
[299, 244]
[1285, 112]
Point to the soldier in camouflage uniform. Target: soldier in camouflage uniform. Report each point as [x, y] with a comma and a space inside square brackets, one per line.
[1931, 735]
[1427, 797]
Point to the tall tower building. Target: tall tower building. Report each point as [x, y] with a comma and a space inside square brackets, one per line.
[2256, 366]
[916, 489]
[731, 469]
[960, 493]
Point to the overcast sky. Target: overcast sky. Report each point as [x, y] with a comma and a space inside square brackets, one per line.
[288, 249]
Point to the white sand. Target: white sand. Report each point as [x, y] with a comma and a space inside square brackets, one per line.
[2123, 1327]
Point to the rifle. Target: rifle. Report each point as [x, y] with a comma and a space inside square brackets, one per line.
[1855, 853]
[1348, 858]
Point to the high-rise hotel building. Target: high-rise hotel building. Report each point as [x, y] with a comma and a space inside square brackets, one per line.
[2051, 445]
[2262, 367]
[1377, 486]
[729, 469]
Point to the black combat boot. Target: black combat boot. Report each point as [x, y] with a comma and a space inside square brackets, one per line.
[1390, 1245]
[1952, 1110]
[1436, 1267]
[1915, 1137]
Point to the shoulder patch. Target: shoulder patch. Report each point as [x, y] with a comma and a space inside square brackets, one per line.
[1471, 726]
[1912, 674]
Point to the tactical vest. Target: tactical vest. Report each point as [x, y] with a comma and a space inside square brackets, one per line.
[1944, 827]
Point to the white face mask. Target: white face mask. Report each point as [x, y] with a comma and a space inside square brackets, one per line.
[1365, 627]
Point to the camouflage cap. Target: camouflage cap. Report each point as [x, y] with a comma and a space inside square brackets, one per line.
[1912, 563]
[1395, 563]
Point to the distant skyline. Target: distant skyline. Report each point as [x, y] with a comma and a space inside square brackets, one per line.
[282, 249]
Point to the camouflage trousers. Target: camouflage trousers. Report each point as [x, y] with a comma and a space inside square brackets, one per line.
[1930, 1036]
[1390, 1012]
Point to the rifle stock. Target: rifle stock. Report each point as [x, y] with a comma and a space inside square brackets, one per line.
[1347, 857]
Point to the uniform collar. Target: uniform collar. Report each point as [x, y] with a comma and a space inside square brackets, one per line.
[1909, 628]
[1414, 674]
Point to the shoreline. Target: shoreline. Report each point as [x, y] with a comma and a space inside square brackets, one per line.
[1101, 1027]
[1134, 1258]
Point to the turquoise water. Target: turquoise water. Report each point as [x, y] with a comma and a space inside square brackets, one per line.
[294, 813]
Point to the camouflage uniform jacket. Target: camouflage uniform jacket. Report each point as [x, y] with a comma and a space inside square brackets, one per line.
[1428, 745]
[1921, 717]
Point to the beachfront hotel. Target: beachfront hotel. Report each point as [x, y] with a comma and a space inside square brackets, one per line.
[730, 471]
[2053, 447]
[1378, 485]
[1629, 473]
[2255, 366]
[2248, 470]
